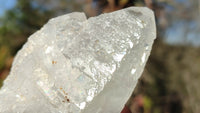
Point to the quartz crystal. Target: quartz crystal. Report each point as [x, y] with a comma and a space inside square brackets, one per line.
[79, 65]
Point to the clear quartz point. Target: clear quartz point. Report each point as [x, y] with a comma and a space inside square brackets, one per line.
[79, 65]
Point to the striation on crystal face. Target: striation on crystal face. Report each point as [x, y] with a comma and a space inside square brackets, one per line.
[75, 65]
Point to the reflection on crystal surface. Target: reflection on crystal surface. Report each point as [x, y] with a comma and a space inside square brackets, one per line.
[133, 71]
[143, 57]
[75, 65]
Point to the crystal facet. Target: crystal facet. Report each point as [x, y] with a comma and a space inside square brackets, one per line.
[79, 65]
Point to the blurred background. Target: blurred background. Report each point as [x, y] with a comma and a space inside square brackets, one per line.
[171, 79]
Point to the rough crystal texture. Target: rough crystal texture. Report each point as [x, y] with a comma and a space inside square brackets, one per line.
[79, 65]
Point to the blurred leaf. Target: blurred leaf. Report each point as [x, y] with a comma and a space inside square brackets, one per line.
[1, 83]
[147, 104]
[5, 53]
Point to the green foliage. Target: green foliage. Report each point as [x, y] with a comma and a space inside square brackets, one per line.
[1, 83]
[20, 22]
[172, 76]
[4, 55]
[147, 104]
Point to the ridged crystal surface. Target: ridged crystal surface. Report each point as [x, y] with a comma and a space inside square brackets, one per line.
[79, 65]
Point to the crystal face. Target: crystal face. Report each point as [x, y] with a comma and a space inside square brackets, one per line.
[79, 65]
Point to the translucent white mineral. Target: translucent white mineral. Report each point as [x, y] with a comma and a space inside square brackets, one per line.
[79, 65]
